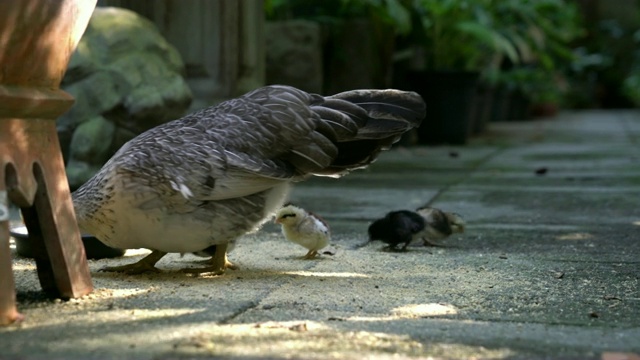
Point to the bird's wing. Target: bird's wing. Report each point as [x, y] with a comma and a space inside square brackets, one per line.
[189, 176]
[313, 135]
[407, 222]
[270, 135]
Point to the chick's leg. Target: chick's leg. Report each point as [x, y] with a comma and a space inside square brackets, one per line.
[146, 264]
[427, 242]
[219, 263]
[406, 239]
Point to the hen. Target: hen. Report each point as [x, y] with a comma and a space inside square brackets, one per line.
[219, 173]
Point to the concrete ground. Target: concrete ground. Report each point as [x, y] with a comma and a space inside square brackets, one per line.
[548, 267]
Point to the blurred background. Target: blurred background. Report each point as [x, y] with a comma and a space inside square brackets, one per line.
[474, 61]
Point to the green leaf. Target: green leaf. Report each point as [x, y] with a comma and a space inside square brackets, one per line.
[399, 15]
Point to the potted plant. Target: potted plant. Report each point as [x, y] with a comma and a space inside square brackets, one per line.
[455, 40]
[631, 82]
[542, 32]
[631, 87]
[358, 37]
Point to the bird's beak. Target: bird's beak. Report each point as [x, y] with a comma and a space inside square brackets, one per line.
[277, 221]
[459, 228]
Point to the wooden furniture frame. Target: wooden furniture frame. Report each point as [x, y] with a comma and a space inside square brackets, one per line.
[37, 38]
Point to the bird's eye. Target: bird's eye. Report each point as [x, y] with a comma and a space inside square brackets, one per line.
[288, 215]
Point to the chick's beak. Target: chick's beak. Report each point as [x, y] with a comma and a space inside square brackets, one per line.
[277, 221]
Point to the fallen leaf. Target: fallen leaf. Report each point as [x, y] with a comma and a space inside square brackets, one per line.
[541, 171]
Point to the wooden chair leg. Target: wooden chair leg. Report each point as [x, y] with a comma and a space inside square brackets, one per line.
[32, 175]
[62, 269]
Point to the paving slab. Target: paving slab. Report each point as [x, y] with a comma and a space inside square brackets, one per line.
[549, 266]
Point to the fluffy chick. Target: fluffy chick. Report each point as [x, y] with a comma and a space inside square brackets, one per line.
[398, 227]
[304, 228]
[439, 224]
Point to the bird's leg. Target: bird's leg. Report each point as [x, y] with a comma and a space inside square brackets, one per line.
[310, 255]
[391, 248]
[426, 242]
[219, 263]
[146, 264]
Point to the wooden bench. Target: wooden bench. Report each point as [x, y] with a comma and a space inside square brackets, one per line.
[37, 38]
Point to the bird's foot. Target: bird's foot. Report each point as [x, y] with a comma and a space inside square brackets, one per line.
[230, 265]
[204, 270]
[219, 263]
[312, 254]
[145, 265]
[131, 269]
[214, 269]
[394, 249]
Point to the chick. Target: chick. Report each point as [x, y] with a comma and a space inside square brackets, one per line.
[398, 227]
[439, 224]
[304, 228]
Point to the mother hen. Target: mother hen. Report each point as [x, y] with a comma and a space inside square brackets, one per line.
[208, 178]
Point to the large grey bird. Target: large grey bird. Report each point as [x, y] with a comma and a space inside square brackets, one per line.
[203, 180]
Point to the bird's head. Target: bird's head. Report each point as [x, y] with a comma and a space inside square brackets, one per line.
[456, 221]
[435, 216]
[289, 215]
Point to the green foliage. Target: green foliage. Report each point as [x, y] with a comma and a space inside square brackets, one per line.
[460, 34]
[542, 29]
[477, 34]
[534, 36]
[389, 12]
[631, 82]
[536, 83]
[631, 87]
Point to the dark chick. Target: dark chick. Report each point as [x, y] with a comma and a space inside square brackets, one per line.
[397, 227]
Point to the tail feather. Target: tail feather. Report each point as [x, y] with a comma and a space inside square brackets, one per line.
[340, 123]
[307, 157]
[380, 118]
[387, 104]
[356, 113]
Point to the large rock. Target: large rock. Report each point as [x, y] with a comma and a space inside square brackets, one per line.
[126, 78]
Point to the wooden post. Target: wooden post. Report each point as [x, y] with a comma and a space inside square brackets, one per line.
[37, 38]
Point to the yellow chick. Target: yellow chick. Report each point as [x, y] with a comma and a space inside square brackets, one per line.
[304, 228]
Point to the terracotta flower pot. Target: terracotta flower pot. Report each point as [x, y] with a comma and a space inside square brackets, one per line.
[449, 96]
